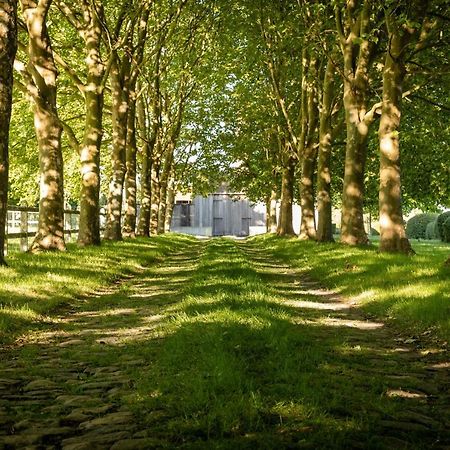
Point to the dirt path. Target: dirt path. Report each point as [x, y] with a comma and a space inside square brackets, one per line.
[67, 386]
[64, 386]
[413, 372]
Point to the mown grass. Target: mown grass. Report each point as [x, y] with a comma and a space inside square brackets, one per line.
[33, 287]
[412, 291]
[234, 366]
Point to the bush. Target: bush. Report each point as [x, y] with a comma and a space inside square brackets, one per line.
[430, 231]
[440, 224]
[417, 225]
[446, 230]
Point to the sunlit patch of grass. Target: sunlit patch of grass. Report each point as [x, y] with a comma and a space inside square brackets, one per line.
[413, 291]
[235, 367]
[36, 285]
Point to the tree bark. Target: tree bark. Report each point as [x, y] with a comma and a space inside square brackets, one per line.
[324, 227]
[8, 47]
[50, 235]
[392, 230]
[285, 226]
[309, 153]
[356, 50]
[143, 228]
[120, 96]
[89, 226]
[170, 203]
[155, 190]
[129, 226]
[271, 218]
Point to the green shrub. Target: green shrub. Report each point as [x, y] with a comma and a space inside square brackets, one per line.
[430, 231]
[440, 224]
[446, 230]
[417, 225]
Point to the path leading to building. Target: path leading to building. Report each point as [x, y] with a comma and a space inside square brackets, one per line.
[301, 366]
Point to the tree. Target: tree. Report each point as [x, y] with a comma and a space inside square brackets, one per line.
[8, 48]
[39, 76]
[357, 50]
[89, 26]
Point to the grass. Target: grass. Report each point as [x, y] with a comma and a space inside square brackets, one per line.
[412, 291]
[234, 366]
[34, 287]
[219, 358]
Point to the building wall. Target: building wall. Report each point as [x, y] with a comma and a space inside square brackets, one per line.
[220, 214]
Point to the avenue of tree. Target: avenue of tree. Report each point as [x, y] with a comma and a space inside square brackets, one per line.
[123, 103]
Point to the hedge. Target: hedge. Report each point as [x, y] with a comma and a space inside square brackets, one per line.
[446, 230]
[440, 224]
[430, 231]
[417, 225]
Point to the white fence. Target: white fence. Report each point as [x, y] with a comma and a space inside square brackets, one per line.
[22, 225]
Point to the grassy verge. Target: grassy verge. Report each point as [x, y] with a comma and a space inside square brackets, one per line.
[413, 291]
[233, 366]
[34, 286]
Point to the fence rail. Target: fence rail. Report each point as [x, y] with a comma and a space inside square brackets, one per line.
[22, 224]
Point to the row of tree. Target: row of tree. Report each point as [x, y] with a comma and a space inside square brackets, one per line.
[153, 96]
[330, 72]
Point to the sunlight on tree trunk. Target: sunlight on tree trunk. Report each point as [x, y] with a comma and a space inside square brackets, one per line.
[50, 234]
[392, 230]
[8, 47]
[271, 212]
[308, 150]
[285, 226]
[324, 227]
[129, 225]
[113, 229]
[89, 226]
[143, 228]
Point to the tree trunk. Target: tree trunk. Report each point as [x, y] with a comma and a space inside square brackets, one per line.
[155, 187]
[164, 180]
[356, 51]
[285, 226]
[89, 226]
[50, 235]
[308, 152]
[271, 214]
[143, 228]
[8, 47]
[352, 227]
[170, 203]
[129, 226]
[324, 227]
[392, 236]
[120, 96]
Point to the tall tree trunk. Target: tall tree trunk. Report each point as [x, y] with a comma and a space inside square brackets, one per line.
[155, 184]
[129, 226]
[8, 47]
[50, 235]
[143, 228]
[308, 152]
[392, 236]
[271, 214]
[352, 227]
[324, 227]
[120, 96]
[356, 50]
[89, 227]
[170, 203]
[156, 196]
[164, 180]
[285, 226]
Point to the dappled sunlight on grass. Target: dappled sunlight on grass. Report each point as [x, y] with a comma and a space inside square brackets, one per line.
[414, 291]
[46, 281]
